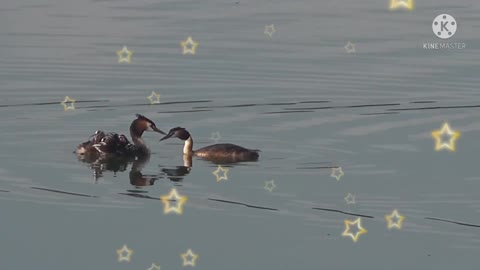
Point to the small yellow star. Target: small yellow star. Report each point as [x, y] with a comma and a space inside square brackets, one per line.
[360, 231]
[154, 267]
[154, 98]
[124, 55]
[270, 185]
[189, 254]
[437, 135]
[269, 30]
[173, 196]
[396, 4]
[68, 100]
[215, 136]
[350, 47]
[350, 199]
[337, 173]
[189, 46]
[225, 172]
[399, 219]
[121, 254]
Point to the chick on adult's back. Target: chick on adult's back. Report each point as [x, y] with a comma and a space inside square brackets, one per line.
[112, 143]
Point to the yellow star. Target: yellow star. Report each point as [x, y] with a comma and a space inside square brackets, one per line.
[360, 231]
[154, 98]
[173, 196]
[350, 199]
[337, 173]
[350, 47]
[68, 100]
[124, 55]
[121, 254]
[270, 185]
[191, 255]
[189, 46]
[225, 172]
[154, 267]
[406, 4]
[437, 135]
[269, 30]
[399, 219]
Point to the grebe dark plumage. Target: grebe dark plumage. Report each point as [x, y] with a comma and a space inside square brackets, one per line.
[101, 143]
[217, 153]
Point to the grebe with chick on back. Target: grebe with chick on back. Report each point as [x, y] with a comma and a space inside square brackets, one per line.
[102, 143]
[218, 153]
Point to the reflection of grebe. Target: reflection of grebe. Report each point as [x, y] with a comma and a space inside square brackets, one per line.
[218, 153]
[137, 178]
[102, 143]
[176, 174]
[120, 164]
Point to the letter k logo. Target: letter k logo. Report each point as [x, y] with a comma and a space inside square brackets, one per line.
[443, 25]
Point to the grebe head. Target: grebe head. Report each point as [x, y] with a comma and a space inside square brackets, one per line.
[178, 132]
[142, 124]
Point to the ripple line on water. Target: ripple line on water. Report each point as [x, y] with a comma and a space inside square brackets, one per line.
[244, 204]
[454, 222]
[342, 212]
[64, 192]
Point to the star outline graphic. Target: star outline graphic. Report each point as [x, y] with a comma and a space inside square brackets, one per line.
[350, 198]
[154, 267]
[358, 223]
[189, 46]
[225, 173]
[270, 185]
[391, 224]
[269, 30]
[154, 98]
[337, 173]
[121, 55]
[68, 100]
[173, 196]
[123, 250]
[190, 254]
[350, 47]
[406, 4]
[215, 136]
[445, 130]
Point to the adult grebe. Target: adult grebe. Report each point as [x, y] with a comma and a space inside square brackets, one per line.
[218, 153]
[102, 143]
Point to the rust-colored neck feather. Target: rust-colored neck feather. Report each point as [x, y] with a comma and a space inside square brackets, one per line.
[136, 131]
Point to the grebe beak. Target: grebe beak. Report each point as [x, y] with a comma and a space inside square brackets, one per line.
[168, 136]
[158, 130]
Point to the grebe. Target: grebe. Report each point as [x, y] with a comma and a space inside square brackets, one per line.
[102, 143]
[217, 153]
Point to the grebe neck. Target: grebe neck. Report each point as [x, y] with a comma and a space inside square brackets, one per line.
[138, 141]
[187, 148]
[187, 161]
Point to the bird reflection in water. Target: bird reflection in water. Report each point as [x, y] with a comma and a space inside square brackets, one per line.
[176, 174]
[116, 164]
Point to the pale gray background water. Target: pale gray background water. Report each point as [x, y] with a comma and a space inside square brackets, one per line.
[304, 85]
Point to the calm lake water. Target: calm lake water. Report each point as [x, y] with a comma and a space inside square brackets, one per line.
[298, 96]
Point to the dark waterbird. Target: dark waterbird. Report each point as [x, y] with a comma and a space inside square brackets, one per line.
[114, 144]
[217, 153]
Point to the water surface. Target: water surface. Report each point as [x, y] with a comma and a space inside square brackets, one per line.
[298, 96]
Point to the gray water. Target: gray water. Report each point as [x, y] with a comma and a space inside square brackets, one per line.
[298, 96]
